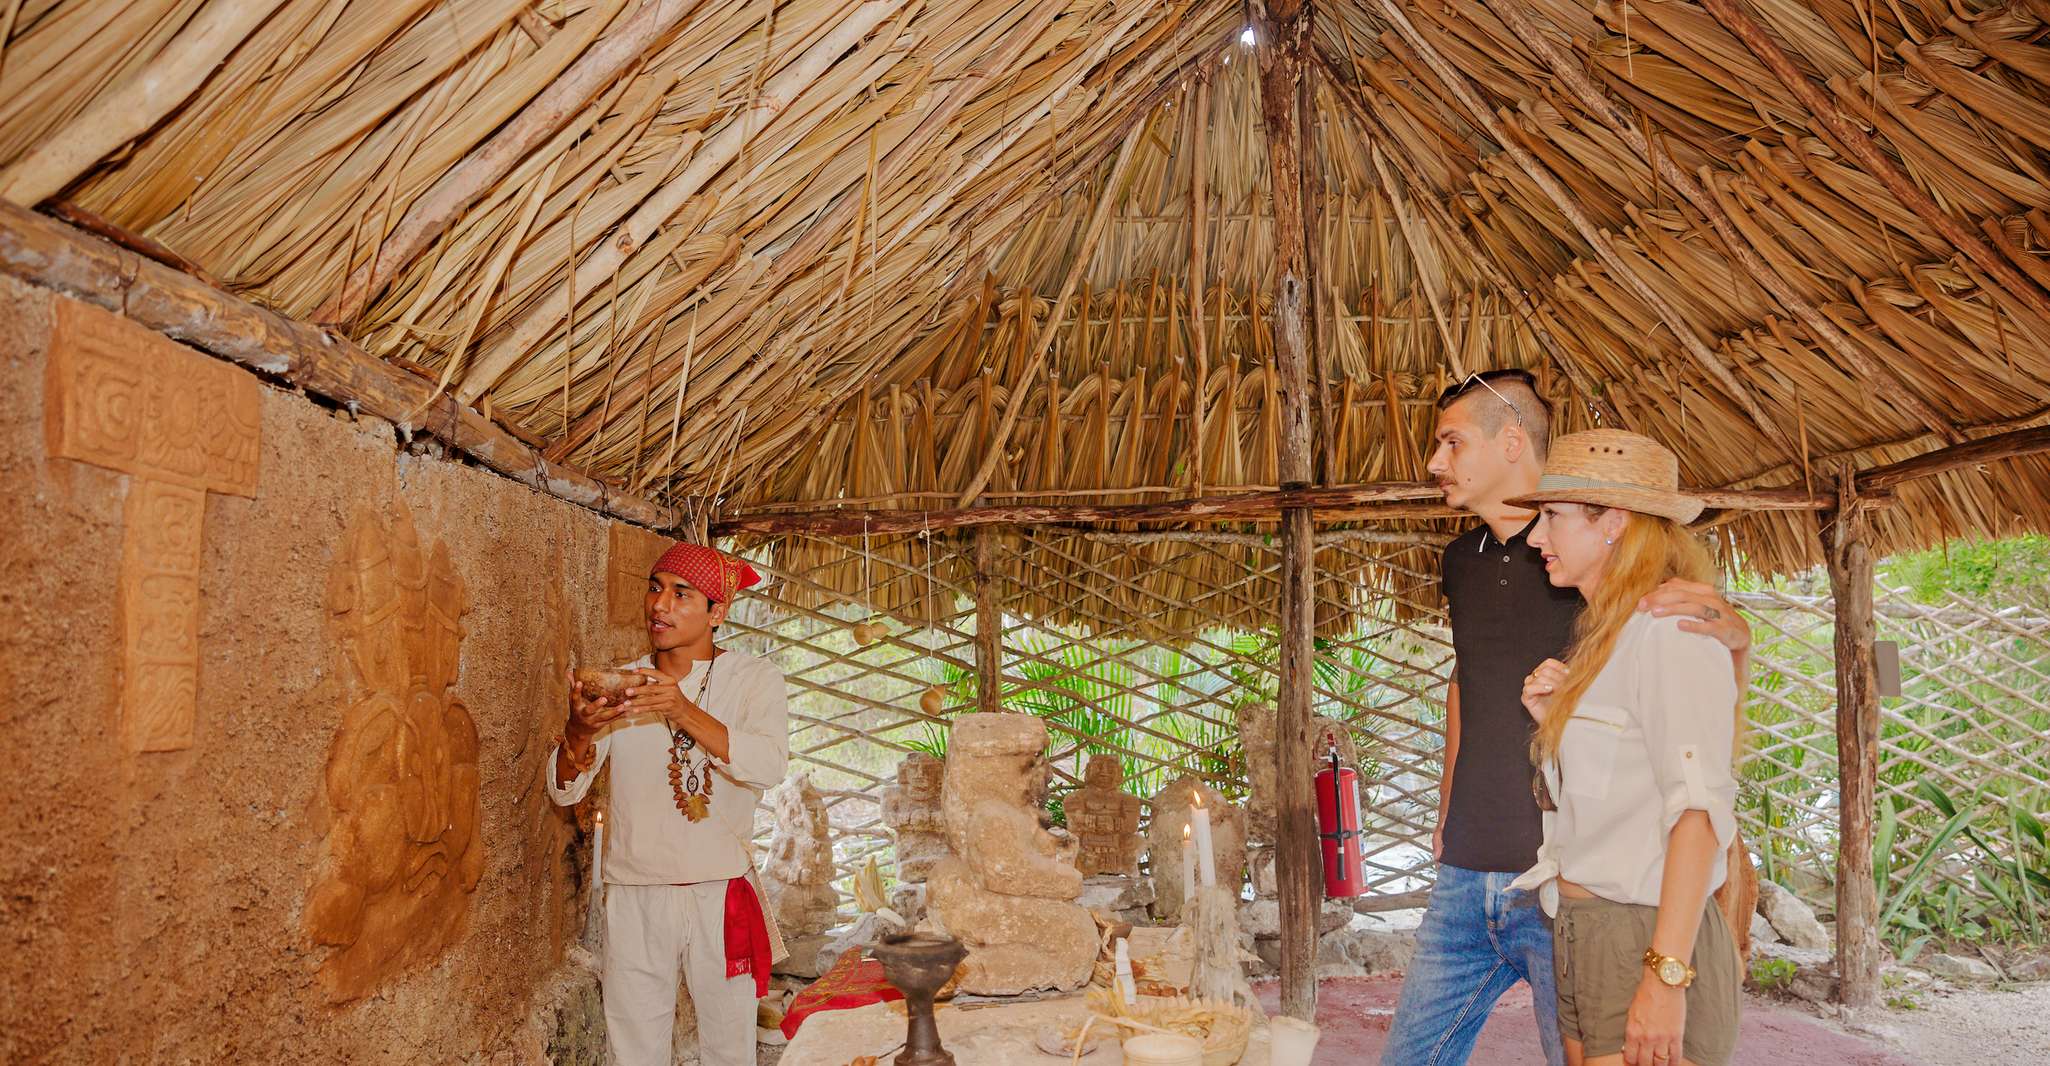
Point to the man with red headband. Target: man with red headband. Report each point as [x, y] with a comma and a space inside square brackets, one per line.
[692, 749]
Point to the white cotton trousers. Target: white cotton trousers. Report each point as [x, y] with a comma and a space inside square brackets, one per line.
[653, 932]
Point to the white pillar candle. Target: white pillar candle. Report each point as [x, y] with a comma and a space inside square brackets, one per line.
[1206, 861]
[1188, 864]
[1126, 987]
[597, 850]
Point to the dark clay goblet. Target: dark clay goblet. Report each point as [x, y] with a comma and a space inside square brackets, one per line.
[917, 964]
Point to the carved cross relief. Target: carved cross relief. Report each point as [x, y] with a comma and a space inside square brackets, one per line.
[181, 424]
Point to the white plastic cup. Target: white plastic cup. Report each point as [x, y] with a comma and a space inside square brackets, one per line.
[1290, 1041]
[1163, 1049]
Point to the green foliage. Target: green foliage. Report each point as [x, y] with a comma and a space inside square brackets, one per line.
[1772, 975]
[1963, 765]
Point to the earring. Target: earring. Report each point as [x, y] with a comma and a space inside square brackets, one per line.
[1610, 540]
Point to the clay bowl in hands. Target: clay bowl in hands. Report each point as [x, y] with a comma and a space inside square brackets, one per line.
[610, 685]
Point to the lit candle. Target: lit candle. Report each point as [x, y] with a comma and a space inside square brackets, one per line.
[1188, 864]
[1205, 861]
[597, 850]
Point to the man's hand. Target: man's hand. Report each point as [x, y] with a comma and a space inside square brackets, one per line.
[1701, 610]
[1539, 686]
[659, 694]
[1654, 1026]
[588, 715]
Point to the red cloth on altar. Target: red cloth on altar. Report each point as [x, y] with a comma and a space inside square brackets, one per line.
[854, 981]
[747, 935]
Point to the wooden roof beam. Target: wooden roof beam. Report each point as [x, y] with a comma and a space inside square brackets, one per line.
[52, 255]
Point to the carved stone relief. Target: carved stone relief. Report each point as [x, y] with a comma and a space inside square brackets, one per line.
[404, 853]
[120, 396]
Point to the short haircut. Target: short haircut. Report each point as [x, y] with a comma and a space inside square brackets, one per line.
[1497, 400]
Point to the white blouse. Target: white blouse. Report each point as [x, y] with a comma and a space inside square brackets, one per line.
[1652, 738]
[647, 840]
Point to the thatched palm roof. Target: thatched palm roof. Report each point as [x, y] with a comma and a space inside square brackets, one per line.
[816, 245]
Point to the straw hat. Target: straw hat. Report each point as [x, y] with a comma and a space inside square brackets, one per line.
[1612, 468]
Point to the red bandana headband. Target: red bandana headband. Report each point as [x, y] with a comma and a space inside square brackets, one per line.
[708, 570]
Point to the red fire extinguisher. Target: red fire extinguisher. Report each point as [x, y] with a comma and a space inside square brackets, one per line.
[1338, 826]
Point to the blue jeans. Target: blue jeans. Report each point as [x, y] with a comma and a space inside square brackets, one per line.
[1477, 940]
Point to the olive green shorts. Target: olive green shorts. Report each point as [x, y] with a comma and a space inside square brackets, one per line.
[1598, 960]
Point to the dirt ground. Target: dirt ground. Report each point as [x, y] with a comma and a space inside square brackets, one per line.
[1966, 1027]
[1952, 1028]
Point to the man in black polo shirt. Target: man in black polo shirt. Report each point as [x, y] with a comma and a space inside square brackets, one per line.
[1478, 938]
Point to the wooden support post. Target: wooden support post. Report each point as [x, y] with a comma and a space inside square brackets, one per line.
[1281, 40]
[1849, 556]
[989, 628]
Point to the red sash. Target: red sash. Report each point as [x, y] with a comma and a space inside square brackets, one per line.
[747, 935]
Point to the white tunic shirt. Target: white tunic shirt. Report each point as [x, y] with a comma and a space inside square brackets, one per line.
[647, 840]
[1651, 739]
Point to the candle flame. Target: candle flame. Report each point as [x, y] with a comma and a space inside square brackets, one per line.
[598, 818]
[1185, 834]
[1197, 797]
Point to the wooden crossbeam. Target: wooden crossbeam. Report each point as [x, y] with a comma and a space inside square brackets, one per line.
[1363, 502]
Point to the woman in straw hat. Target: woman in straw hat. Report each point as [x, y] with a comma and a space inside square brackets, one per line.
[1636, 739]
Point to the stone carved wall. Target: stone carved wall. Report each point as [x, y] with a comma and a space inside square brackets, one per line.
[550, 829]
[183, 425]
[404, 854]
[630, 552]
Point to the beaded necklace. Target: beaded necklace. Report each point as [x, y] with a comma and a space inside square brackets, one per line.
[690, 778]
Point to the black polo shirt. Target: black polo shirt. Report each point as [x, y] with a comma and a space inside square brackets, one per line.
[1506, 619]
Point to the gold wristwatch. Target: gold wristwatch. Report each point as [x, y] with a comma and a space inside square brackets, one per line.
[1670, 971]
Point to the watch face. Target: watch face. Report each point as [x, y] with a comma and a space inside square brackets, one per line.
[1672, 971]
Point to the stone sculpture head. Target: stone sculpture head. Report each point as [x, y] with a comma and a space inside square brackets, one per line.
[998, 757]
[1104, 771]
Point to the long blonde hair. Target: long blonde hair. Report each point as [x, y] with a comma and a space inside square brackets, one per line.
[1649, 552]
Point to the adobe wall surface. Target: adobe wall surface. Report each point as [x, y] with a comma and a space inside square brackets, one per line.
[155, 904]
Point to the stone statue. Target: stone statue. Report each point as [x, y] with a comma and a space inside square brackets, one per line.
[1257, 725]
[1172, 810]
[1105, 820]
[404, 853]
[1008, 889]
[911, 808]
[798, 878]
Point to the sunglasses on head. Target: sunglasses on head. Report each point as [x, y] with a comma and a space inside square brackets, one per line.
[1481, 381]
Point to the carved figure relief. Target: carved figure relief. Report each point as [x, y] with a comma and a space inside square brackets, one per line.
[1258, 725]
[183, 425]
[404, 853]
[1105, 820]
[911, 808]
[1008, 889]
[545, 846]
[798, 878]
[630, 552]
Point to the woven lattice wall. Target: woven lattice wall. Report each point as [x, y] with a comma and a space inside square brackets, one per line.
[1114, 640]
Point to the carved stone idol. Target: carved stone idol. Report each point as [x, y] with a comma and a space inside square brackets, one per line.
[1257, 725]
[911, 808]
[1008, 890]
[798, 878]
[1172, 810]
[404, 853]
[1105, 820]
